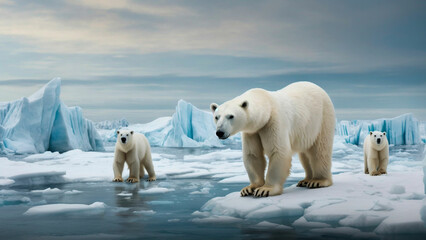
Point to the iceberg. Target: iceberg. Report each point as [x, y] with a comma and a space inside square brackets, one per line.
[401, 130]
[43, 122]
[188, 127]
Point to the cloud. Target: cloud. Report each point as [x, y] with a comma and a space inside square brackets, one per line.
[344, 37]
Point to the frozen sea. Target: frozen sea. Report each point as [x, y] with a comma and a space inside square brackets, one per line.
[196, 196]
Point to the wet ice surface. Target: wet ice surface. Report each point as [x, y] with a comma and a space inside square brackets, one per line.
[71, 195]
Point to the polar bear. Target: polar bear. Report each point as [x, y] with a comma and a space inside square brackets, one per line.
[376, 153]
[296, 119]
[132, 148]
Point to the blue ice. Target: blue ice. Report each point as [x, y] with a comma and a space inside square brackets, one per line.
[401, 130]
[43, 122]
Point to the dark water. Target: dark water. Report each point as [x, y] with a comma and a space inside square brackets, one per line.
[172, 218]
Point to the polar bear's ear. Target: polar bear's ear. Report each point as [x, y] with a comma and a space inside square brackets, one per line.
[384, 133]
[371, 133]
[244, 104]
[118, 132]
[131, 132]
[213, 107]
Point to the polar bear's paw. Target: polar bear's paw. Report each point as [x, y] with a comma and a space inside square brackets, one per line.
[132, 180]
[266, 191]
[117, 179]
[246, 191]
[316, 183]
[375, 173]
[303, 183]
[151, 179]
[382, 171]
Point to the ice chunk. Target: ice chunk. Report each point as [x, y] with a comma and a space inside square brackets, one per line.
[204, 190]
[303, 223]
[271, 226]
[96, 207]
[155, 190]
[401, 130]
[362, 220]
[217, 220]
[6, 181]
[405, 219]
[39, 178]
[72, 192]
[145, 212]
[125, 194]
[48, 191]
[43, 122]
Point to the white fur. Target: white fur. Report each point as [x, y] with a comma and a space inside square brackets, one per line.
[376, 156]
[296, 119]
[136, 152]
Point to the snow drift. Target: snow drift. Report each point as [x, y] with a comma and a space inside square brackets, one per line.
[401, 130]
[43, 122]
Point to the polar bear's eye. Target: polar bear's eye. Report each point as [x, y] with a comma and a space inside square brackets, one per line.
[230, 116]
[127, 134]
[217, 117]
[375, 136]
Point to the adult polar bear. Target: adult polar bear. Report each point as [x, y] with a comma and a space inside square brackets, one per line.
[298, 118]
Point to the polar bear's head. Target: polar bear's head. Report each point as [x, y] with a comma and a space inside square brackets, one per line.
[125, 137]
[378, 139]
[230, 117]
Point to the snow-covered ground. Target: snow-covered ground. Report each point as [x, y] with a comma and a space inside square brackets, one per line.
[356, 205]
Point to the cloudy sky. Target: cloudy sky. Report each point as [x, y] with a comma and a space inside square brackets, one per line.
[136, 59]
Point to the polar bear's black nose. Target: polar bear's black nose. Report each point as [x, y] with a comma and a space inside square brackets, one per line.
[123, 140]
[219, 134]
[378, 141]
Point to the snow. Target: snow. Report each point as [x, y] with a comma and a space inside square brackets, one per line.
[401, 130]
[96, 207]
[356, 200]
[397, 189]
[43, 122]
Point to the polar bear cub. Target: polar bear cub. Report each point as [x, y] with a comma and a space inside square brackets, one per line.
[296, 119]
[132, 148]
[376, 153]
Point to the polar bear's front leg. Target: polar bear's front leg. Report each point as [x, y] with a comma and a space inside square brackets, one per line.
[134, 167]
[117, 167]
[384, 160]
[254, 162]
[278, 171]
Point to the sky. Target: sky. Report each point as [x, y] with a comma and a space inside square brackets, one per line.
[136, 59]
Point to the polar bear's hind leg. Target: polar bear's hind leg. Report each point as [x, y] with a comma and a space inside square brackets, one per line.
[308, 171]
[320, 155]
